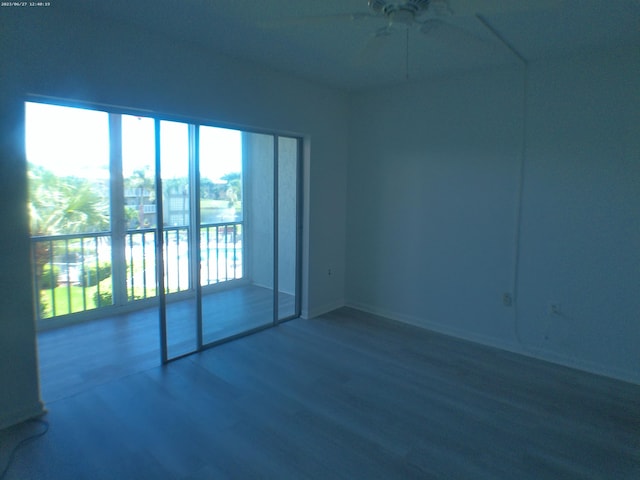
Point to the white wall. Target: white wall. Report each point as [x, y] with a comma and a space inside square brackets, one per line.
[83, 59]
[259, 206]
[287, 214]
[19, 392]
[432, 185]
[432, 209]
[258, 230]
[581, 214]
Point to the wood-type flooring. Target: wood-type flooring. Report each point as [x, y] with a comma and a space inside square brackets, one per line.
[344, 396]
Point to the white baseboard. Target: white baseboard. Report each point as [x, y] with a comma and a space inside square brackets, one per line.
[437, 327]
[540, 354]
[322, 309]
[22, 414]
[630, 376]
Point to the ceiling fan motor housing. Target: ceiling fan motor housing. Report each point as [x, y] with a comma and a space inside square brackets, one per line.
[399, 12]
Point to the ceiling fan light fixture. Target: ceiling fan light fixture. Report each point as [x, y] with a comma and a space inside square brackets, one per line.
[429, 24]
[400, 12]
[402, 16]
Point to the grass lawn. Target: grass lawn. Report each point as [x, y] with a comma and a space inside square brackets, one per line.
[69, 299]
[62, 294]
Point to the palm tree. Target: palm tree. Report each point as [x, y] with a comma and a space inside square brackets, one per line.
[63, 205]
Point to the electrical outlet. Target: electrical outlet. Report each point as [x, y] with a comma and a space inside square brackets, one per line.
[554, 309]
[507, 300]
[329, 272]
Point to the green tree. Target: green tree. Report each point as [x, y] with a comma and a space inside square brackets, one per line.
[63, 205]
[142, 183]
[234, 188]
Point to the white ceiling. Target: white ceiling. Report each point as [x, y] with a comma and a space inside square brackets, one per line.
[320, 41]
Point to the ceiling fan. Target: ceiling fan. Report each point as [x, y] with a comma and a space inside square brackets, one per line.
[432, 18]
[396, 14]
[399, 17]
[409, 12]
[403, 15]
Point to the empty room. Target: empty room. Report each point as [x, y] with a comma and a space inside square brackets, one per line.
[320, 239]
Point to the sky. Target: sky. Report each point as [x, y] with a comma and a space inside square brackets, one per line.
[74, 141]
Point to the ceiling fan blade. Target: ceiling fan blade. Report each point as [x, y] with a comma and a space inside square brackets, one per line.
[492, 7]
[373, 46]
[450, 34]
[430, 25]
[314, 20]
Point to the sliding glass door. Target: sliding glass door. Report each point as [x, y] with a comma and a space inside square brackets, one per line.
[142, 213]
[241, 189]
[177, 237]
[288, 227]
[236, 232]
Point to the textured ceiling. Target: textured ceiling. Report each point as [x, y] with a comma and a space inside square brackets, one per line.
[320, 40]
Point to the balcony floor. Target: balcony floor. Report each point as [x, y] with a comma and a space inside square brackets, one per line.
[78, 357]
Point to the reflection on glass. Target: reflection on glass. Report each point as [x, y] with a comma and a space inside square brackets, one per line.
[139, 171]
[69, 196]
[87, 256]
[221, 205]
[68, 158]
[139, 189]
[236, 231]
[174, 168]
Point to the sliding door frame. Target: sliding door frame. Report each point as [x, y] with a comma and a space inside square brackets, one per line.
[194, 124]
[276, 227]
[195, 238]
[297, 228]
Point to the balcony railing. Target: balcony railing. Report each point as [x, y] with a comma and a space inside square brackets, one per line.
[74, 273]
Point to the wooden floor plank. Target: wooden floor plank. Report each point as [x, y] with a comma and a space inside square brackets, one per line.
[346, 395]
[77, 357]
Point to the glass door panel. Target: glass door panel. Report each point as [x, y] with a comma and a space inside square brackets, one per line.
[287, 226]
[221, 205]
[70, 197]
[179, 304]
[236, 231]
[202, 220]
[140, 215]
